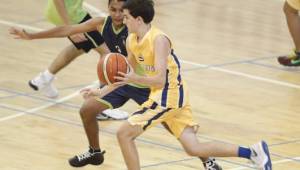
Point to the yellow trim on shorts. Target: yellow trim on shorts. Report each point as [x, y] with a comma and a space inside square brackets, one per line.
[294, 4]
[104, 102]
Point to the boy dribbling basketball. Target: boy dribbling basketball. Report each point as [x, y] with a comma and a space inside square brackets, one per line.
[168, 102]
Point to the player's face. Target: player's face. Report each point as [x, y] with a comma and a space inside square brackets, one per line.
[130, 21]
[116, 12]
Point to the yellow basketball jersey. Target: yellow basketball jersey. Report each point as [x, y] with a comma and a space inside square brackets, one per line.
[174, 94]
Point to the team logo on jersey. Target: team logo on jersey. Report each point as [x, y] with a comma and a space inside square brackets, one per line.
[141, 58]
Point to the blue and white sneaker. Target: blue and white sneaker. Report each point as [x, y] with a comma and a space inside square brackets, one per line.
[260, 156]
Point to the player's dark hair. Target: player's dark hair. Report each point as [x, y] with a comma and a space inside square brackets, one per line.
[142, 8]
[109, 1]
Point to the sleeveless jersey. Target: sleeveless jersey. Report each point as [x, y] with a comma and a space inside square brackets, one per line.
[174, 93]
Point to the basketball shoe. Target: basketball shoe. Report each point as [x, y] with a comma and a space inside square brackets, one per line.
[43, 83]
[211, 164]
[260, 156]
[93, 157]
[112, 114]
[292, 59]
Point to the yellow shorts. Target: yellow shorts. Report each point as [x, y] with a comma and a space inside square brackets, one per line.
[294, 4]
[175, 120]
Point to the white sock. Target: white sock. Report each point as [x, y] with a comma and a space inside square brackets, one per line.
[49, 76]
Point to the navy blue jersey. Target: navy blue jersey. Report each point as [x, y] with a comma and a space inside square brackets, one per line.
[116, 41]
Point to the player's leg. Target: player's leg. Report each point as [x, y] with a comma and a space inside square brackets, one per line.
[88, 111]
[258, 153]
[64, 58]
[291, 9]
[209, 163]
[148, 116]
[126, 136]
[191, 145]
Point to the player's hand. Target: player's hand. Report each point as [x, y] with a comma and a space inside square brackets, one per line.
[78, 37]
[89, 92]
[125, 78]
[19, 33]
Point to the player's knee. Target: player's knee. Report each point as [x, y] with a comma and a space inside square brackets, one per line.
[87, 112]
[83, 112]
[124, 133]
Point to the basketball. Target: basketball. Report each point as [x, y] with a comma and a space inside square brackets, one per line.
[109, 66]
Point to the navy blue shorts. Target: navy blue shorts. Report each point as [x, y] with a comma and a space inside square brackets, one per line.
[94, 39]
[121, 95]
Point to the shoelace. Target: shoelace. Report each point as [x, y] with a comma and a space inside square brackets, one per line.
[84, 156]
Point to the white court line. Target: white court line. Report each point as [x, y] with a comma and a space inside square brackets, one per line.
[273, 163]
[281, 83]
[46, 105]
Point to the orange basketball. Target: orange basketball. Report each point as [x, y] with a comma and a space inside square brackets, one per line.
[109, 66]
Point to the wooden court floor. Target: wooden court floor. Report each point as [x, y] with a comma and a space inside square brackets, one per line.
[228, 48]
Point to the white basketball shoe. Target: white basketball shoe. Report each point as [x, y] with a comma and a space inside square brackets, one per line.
[112, 114]
[260, 156]
[44, 84]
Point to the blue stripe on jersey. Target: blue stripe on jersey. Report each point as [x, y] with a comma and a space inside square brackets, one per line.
[153, 106]
[155, 117]
[165, 91]
[140, 111]
[178, 65]
[181, 94]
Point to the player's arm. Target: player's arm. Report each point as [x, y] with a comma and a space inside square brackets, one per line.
[162, 49]
[60, 31]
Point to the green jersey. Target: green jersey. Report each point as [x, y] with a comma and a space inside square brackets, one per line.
[74, 9]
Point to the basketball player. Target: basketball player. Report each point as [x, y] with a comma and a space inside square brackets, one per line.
[168, 102]
[291, 9]
[115, 40]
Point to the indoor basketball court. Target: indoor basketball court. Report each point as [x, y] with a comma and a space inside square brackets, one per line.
[228, 50]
